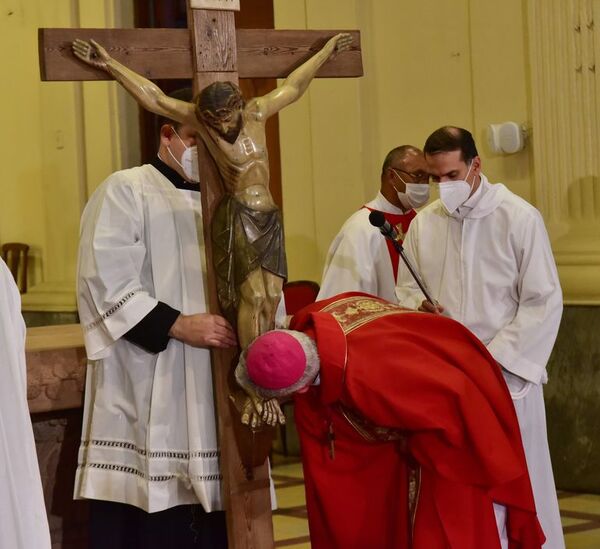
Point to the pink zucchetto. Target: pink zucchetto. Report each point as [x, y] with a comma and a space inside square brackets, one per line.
[275, 360]
[280, 362]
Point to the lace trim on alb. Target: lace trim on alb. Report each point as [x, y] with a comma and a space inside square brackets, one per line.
[112, 310]
[151, 478]
[170, 454]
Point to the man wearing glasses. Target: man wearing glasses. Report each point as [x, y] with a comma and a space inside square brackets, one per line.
[359, 258]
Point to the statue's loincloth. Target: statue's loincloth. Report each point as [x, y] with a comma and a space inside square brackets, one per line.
[244, 240]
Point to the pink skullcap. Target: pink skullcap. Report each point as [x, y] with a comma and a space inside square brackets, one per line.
[275, 360]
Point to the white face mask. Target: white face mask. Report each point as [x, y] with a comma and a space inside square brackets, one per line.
[189, 161]
[454, 194]
[416, 195]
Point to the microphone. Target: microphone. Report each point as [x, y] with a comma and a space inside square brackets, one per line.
[377, 219]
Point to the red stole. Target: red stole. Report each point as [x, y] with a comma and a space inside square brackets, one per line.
[400, 222]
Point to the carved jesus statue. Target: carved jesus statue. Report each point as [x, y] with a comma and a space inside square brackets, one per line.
[249, 249]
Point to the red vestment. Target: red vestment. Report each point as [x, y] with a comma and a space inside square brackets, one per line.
[430, 378]
[400, 222]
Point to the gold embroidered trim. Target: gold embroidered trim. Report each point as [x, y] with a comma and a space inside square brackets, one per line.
[353, 312]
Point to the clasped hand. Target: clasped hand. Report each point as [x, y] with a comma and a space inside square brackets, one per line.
[428, 307]
[203, 330]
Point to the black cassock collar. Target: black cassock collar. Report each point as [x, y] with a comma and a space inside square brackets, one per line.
[174, 176]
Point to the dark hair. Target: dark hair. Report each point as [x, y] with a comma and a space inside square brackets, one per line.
[451, 138]
[218, 95]
[183, 94]
[397, 154]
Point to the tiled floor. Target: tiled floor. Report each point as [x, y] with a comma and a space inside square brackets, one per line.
[581, 520]
[580, 512]
[289, 521]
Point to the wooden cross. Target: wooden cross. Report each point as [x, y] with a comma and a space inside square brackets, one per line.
[211, 49]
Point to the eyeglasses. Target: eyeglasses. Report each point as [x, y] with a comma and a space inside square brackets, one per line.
[416, 177]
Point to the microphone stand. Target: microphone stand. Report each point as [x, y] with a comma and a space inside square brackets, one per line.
[400, 249]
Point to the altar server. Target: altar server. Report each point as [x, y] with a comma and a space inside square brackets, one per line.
[149, 458]
[485, 256]
[360, 258]
[23, 521]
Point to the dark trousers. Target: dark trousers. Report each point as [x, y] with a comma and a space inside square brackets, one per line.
[120, 526]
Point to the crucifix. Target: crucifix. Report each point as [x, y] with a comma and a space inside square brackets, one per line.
[211, 51]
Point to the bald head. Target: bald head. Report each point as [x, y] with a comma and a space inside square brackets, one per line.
[402, 165]
[399, 156]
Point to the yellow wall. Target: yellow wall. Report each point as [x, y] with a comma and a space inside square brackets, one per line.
[60, 140]
[427, 64]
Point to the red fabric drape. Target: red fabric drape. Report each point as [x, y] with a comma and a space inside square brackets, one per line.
[426, 375]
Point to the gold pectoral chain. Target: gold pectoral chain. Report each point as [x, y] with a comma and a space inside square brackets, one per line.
[331, 439]
[370, 431]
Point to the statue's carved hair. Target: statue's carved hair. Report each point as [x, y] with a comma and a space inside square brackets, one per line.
[217, 96]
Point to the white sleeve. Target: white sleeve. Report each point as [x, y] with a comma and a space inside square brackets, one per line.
[354, 262]
[407, 290]
[111, 296]
[524, 345]
[23, 521]
[12, 329]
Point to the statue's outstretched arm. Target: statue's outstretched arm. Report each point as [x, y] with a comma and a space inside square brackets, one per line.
[297, 82]
[146, 93]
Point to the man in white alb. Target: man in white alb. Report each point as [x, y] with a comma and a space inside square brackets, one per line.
[360, 259]
[149, 459]
[485, 256]
[23, 521]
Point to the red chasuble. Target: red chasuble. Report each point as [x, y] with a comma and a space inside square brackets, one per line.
[400, 222]
[428, 377]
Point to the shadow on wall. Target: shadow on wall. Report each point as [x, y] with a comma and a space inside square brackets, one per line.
[303, 258]
[573, 401]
